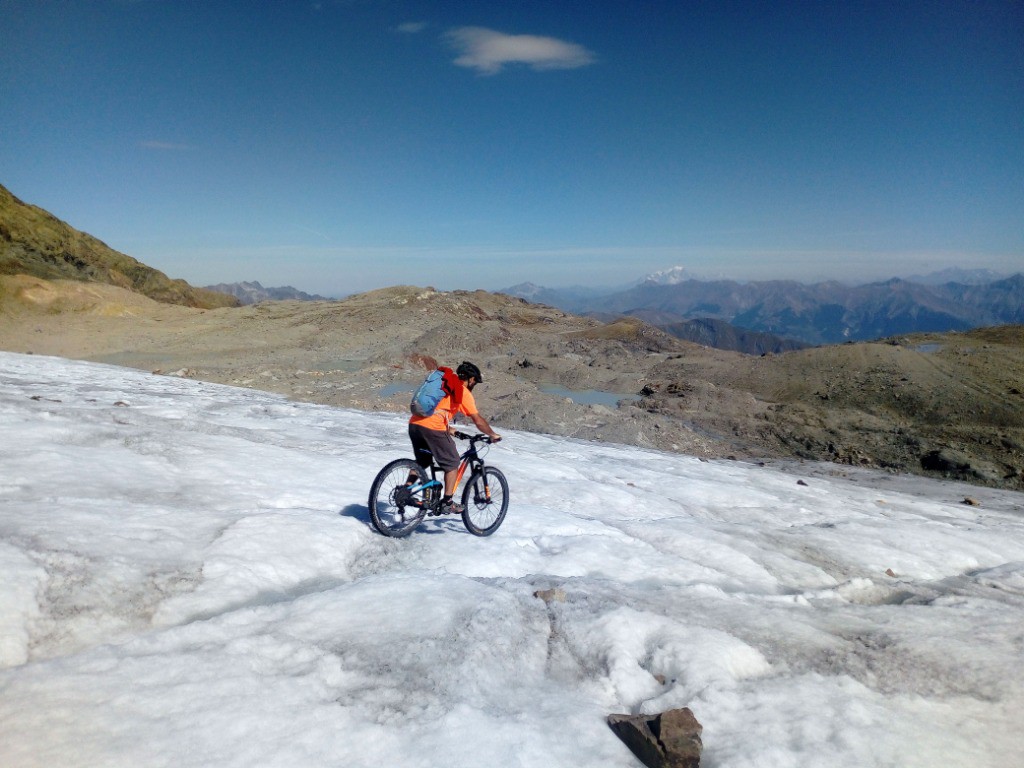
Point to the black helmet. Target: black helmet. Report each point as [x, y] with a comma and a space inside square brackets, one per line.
[465, 370]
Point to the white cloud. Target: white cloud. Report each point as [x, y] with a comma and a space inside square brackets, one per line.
[487, 51]
[411, 27]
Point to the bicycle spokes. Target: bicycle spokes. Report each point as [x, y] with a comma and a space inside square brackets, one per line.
[395, 505]
[486, 501]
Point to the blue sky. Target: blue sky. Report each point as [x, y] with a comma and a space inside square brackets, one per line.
[344, 146]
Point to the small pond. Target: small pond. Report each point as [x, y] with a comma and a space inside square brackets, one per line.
[397, 388]
[590, 396]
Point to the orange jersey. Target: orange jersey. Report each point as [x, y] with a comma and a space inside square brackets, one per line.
[443, 414]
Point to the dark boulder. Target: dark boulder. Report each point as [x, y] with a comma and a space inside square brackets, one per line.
[666, 740]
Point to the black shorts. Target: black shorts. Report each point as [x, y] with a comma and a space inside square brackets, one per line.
[433, 444]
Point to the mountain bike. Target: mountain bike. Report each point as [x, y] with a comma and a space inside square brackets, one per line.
[402, 494]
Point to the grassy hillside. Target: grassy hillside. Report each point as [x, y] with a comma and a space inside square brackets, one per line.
[34, 242]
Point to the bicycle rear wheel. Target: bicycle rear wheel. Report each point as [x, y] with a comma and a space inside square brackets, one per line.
[486, 501]
[394, 510]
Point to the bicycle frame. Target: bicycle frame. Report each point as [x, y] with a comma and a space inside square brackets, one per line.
[403, 484]
[469, 459]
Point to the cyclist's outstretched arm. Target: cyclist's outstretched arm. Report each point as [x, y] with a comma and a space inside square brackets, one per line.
[483, 426]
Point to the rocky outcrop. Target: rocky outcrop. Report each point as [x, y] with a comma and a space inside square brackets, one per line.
[666, 740]
[959, 466]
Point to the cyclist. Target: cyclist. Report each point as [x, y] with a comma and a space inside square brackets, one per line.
[431, 435]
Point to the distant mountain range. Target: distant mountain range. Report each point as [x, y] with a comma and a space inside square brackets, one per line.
[822, 313]
[254, 293]
[955, 275]
[722, 335]
[754, 317]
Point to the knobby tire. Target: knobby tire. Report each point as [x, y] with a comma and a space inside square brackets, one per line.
[485, 498]
[393, 510]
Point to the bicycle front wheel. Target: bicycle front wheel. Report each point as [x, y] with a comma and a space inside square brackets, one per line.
[394, 510]
[485, 499]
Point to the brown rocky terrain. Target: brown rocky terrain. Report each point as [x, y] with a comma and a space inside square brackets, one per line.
[944, 404]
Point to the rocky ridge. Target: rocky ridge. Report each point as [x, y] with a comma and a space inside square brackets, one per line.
[35, 242]
[253, 292]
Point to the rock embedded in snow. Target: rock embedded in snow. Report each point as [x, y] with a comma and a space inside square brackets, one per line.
[666, 740]
[554, 594]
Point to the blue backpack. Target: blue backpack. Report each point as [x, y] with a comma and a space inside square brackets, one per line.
[438, 384]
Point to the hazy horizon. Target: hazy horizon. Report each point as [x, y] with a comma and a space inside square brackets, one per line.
[611, 287]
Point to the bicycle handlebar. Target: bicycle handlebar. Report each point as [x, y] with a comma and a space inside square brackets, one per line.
[478, 438]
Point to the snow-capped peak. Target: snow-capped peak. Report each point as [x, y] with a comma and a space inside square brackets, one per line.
[670, 276]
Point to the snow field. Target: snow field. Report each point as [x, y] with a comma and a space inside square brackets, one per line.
[190, 579]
